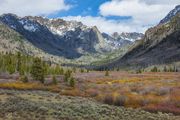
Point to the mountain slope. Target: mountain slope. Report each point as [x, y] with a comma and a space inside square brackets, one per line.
[58, 37]
[11, 41]
[161, 45]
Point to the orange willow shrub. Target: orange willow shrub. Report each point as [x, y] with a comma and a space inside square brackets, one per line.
[72, 92]
[22, 86]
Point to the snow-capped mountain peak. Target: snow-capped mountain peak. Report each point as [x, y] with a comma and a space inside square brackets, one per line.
[171, 14]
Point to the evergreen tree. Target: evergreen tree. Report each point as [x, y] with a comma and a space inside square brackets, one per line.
[175, 69]
[165, 69]
[67, 75]
[54, 80]
[45, 67]
[82, 70]
[57, 70]
[37, 70]
[170, 69]
[19, 62]
[9, 64]
[74, 69]
[11, 69]
[72, 82]
[154, 69]
[61, 71]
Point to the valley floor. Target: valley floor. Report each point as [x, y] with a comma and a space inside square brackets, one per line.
[155, 92]
[41, 105]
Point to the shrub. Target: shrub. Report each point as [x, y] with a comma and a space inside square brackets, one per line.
[139, 71]
[72, 82]
[24, 79]
[107, 73]
[146, 90]
[144, 102]
[108, 99]
[54, 80]
[92, 92]
[120, 100]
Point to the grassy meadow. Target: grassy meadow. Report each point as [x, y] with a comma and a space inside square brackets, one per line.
[151, 91]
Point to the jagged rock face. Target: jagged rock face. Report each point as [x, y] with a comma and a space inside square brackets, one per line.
[119, 40]
[58, 37]
[170, 15]
[128, 36]
[116, 42]
[161, 45]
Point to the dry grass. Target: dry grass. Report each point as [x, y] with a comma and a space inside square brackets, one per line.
[21, 86]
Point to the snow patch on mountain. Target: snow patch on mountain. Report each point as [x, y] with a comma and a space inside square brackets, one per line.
[30, 28]
[13, 27]
[29, 25]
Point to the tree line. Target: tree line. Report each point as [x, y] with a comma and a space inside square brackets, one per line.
[34, 67]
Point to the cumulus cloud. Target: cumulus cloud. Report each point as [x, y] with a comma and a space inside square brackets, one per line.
[161, 2]
[143, 14]
[108, 26]
[142, 11]
[32, 7]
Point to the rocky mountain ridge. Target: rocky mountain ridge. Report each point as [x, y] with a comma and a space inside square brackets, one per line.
[170, 15]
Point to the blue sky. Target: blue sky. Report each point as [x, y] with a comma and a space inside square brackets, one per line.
[108, 15]
[86, 8]
[83, 7]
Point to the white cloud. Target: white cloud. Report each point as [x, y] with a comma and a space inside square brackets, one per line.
[161, 2]
[108, 26]
[32, 7]
[142, 11]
